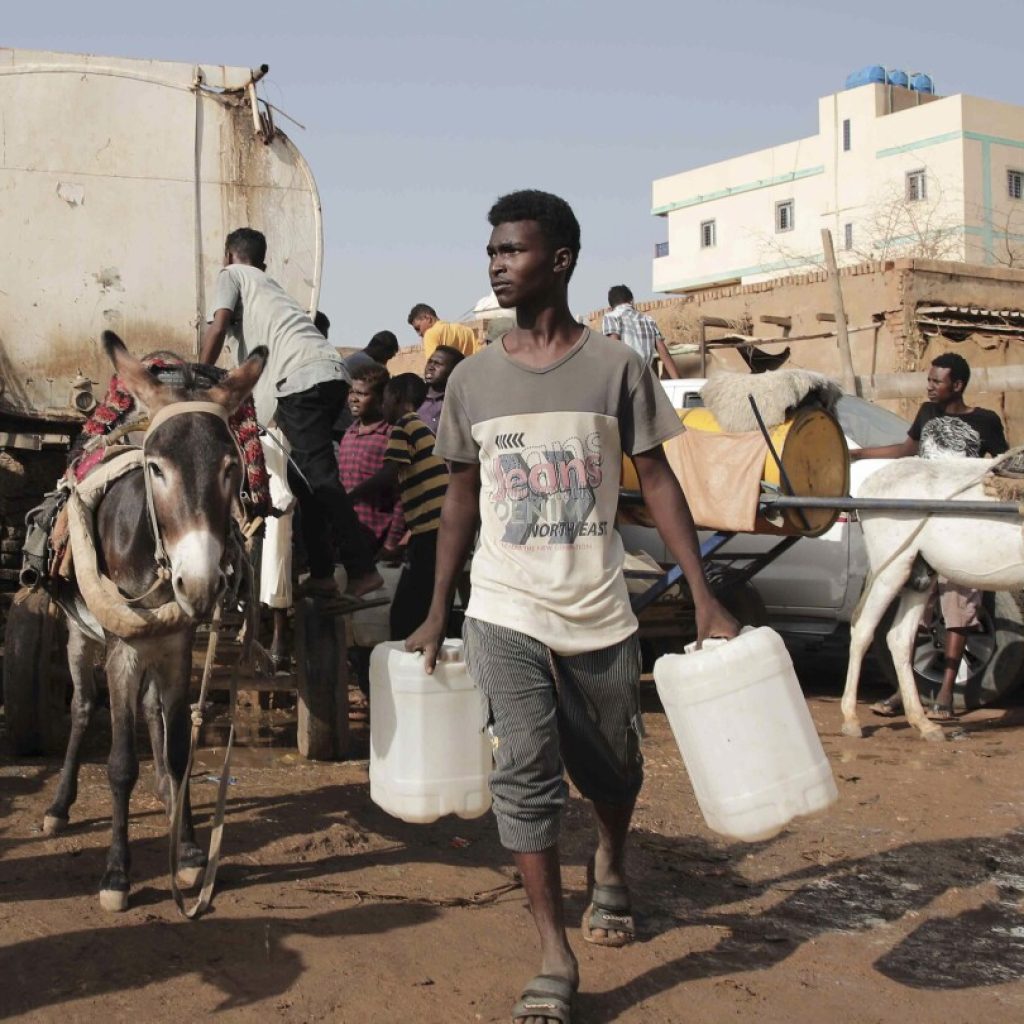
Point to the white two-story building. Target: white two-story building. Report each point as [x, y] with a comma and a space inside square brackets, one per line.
[893, 171]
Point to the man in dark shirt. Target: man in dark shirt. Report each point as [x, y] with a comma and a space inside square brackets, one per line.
[439, 368]
[977, 432]
[946, 426]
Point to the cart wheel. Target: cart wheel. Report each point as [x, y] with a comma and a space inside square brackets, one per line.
[322, 666]
[994, 658]
[33, 692]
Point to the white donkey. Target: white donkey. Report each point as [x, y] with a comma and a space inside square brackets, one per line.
[983, 552]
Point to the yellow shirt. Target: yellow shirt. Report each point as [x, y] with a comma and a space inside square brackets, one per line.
[455, 335]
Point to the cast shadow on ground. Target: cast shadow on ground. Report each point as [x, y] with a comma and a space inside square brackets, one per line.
[268, 840]
[980, 947]
[247, 960]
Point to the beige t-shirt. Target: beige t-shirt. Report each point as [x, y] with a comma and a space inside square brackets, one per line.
[265, 314]
[550, 444]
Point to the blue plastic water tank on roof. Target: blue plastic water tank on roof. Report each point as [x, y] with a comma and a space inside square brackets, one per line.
[900, 78]
[922, 83]
[866, 76]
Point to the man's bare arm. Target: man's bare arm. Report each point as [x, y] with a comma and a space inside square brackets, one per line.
[386, 478]
[213, 337]
[666, 359]
[671, 513]
[903, 450]
[460, 516]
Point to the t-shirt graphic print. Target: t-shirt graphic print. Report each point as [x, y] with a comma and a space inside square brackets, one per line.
[545, 490]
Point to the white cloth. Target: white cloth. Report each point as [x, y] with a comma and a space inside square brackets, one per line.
[276, 560]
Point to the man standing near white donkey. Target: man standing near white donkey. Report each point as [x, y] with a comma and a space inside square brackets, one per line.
[945, 427]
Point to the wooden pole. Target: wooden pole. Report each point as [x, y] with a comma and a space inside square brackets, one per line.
[984, 379]
[849, 381]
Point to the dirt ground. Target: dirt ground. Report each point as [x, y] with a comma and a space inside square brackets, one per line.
[904, 902]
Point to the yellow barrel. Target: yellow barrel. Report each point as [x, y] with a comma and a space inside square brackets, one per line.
[814, 454]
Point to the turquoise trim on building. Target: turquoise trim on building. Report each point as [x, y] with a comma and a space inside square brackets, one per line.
[740, 273]
[937, 140]
[987, 231]
[909, 147]
[809, 265]
[751, 186]
[981, 232]
[986, 200]
[994, 140]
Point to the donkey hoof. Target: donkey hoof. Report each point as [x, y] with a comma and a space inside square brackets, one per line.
[114, 901]
[189, 877]
[53, 825]
[853, 730]
[933, 735]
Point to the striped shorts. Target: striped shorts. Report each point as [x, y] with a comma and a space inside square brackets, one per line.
[548, 714]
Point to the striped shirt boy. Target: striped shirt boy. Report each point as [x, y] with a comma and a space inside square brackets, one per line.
[422, 476]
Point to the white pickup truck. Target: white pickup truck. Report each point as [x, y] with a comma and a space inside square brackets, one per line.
[812, 589]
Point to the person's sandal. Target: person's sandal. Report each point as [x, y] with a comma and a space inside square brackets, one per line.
[546, 996]
[610, 909]
[888, 708]
[941, 713]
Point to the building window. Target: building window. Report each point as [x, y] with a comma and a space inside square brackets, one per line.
[916, 186]
[1015, 184]
[660, 249]
[846, 136]
[708, 235]
[847, 237]
[784, 215]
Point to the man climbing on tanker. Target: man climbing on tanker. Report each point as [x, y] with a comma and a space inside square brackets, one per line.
[303, 388]
[945, 426]
[534, 429]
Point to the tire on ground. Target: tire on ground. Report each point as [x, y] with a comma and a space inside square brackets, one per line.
[34, 687]
[997, 654]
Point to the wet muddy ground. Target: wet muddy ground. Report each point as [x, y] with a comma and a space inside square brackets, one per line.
[904, 902]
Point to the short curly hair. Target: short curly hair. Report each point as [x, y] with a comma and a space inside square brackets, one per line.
[959, 368]
[551, 212]
[375, 377]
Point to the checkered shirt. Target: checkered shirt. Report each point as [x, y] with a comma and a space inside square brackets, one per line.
[360, 456]
[638, 330]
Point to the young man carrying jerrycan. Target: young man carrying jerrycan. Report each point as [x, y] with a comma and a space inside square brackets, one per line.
[534, 429]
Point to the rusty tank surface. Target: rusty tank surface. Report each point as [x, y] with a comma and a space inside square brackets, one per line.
[119, 179]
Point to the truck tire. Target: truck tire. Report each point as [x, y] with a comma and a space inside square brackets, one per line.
[994, 657]
[34, 688]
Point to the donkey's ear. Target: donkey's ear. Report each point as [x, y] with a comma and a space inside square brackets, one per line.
[236, 387]
[139, 382]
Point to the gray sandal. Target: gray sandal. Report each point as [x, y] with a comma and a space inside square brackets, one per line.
[546, 996]
[610, 910]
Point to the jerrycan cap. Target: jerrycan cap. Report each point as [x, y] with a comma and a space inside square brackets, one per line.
[714, 642]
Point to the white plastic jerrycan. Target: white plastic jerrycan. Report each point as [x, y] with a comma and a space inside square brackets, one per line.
[428, 754]
[746, 736]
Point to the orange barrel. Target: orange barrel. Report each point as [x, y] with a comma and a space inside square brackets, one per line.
[814, 454]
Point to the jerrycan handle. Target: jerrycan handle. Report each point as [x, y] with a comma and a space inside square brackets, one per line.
[713, 642]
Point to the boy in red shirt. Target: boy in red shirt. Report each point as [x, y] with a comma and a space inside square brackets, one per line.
[361, 456]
